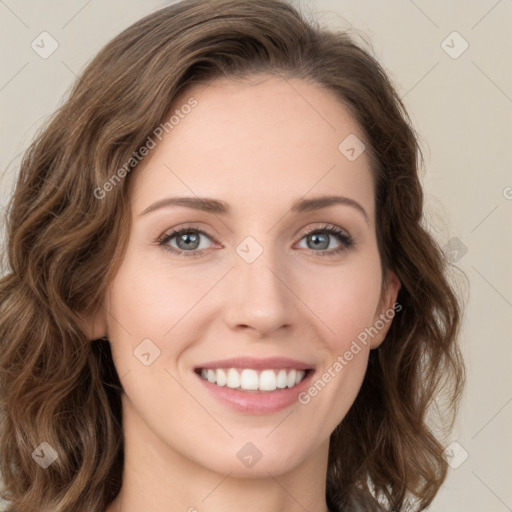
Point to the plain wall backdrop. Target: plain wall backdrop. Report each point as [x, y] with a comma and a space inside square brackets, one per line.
[450, 61]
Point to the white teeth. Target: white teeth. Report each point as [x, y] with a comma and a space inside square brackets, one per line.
[249, 380]
[281, 379]
[222, 378]
[290, 380]
[268, 380]
[233, 379]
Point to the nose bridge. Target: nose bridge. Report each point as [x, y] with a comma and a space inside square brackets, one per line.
[259, 298]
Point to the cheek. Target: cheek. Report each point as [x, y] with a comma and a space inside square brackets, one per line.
[161, 302]
[347, 310]
[345, 300]
[148, 301]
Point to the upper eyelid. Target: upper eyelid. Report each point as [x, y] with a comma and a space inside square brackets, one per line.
[172, 233]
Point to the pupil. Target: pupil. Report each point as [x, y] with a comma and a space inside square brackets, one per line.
[318, 237]
[186, 238]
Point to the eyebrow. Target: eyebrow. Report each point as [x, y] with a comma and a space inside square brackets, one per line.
[217, 206]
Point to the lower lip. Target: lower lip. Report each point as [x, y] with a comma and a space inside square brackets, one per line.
[254, 402]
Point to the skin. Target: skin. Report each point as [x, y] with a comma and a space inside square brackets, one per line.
[258, 146]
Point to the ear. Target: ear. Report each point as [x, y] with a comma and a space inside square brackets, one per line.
[95, 325]
[386, 310]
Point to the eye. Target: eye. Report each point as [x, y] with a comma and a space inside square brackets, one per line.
[188, 241]
[321, 237]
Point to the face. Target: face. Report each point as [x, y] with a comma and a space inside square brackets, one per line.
[264, 288]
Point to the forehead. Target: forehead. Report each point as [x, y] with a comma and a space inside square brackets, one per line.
[257, 143]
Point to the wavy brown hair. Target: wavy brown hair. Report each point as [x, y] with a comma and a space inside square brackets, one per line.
[64, 245]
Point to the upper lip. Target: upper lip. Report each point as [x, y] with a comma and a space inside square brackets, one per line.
[257, 364]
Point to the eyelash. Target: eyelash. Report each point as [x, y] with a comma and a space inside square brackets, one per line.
[346, 241]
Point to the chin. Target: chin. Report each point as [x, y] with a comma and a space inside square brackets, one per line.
[255, 460]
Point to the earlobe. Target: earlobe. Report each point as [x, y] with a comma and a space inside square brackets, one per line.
[95, 325]
[394, 286]
[386, 311]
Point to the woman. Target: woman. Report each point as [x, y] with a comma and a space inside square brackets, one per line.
[220, 292]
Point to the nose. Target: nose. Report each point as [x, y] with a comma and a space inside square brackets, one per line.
[259, 298]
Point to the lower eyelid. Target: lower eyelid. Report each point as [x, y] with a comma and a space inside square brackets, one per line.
[344, 238]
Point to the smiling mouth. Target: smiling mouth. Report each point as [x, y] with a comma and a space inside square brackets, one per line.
[251, 380]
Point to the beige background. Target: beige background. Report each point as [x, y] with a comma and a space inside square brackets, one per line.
[461, 106]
